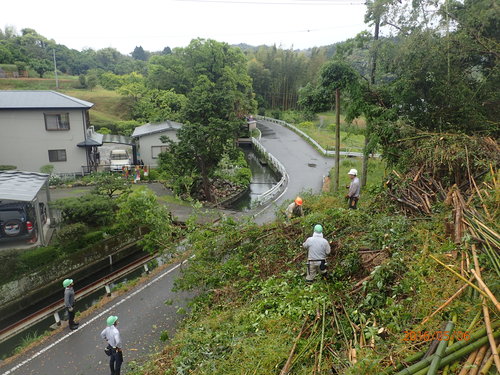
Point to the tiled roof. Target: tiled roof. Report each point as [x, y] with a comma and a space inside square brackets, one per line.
[32, 99]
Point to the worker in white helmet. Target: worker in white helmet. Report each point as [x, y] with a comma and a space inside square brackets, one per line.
[354, 188]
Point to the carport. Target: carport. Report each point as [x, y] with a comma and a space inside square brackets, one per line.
[18, 186]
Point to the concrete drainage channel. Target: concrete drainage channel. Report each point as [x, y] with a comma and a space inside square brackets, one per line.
[50, 316]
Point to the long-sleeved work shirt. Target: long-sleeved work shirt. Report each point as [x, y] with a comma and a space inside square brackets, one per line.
[318, 248]
[112, 336]
[69, 297]
[354, 188]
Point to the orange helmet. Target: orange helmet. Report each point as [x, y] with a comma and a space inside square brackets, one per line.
[298, 201]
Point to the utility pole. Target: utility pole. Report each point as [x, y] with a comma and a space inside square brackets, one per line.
[337, 140]
[55, 68]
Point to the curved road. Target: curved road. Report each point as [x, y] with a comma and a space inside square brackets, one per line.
[148, 310]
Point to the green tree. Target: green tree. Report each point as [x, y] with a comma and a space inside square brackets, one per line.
[141, 210]
[40, 66]
[139, 54]
[110, 185]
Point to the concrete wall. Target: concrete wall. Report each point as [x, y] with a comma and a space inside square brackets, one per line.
[35, 287]
[146, 142]
[24, 141]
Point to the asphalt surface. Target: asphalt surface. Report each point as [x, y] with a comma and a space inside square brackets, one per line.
[143, 312]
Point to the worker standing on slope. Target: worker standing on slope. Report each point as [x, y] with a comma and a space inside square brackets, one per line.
[318, 248]
[354, 189]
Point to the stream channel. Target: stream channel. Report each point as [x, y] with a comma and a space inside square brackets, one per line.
[263, 179]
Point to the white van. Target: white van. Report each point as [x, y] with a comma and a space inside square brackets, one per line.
[118, 160]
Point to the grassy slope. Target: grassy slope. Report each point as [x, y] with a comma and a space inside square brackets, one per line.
[257, 299]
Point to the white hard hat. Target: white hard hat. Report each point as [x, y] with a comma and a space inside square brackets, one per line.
[353, 171]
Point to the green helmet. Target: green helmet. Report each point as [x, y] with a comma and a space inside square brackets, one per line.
[111, 320]
[318, 228]
[67, 282]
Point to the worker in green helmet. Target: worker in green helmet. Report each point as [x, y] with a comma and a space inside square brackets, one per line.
[112, 337]
[317, 249]
[69, 302]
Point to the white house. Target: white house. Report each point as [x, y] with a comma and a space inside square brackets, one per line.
[46, 127]
[148, 140]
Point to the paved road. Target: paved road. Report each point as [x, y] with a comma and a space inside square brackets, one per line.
[143, 313]
[304, 165]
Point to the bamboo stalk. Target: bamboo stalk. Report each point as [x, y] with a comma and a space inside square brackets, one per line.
[486, 368]
[322, 339]
[486, 289]
[468, 363]
[478, 336]
[486, 313]
[458, 275]
[286, 368]
[477, 362]
[440, 351]
[458, 354]
[448, 301]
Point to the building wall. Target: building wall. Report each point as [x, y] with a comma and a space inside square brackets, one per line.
[24, 141]
[146, 142]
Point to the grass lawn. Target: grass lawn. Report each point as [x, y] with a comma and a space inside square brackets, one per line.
[65, 83]
[323, 131]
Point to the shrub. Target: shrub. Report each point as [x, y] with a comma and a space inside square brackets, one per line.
[7, 167]
[91, 209]
[70, 237]
[34, 259]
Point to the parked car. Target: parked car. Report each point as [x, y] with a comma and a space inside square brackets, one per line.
[118, 160]
[17, 221]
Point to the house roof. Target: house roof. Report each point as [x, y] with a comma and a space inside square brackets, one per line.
[155, 128]
[114, 138]
[32, 99]
[21, 186]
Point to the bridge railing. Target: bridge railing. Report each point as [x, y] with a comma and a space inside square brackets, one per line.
[276, 164]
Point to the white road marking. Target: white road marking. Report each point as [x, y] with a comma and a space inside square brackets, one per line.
[18, 366]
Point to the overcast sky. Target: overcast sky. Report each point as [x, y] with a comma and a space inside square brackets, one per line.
[155, 24]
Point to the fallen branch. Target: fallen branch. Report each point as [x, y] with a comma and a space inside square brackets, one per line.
[286, 368]
[487, 290]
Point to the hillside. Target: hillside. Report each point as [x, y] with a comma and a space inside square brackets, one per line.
[390, 273]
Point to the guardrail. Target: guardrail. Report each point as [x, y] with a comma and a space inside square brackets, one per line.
[312, 141]
[268, 195]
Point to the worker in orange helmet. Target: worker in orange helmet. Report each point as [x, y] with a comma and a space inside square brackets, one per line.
[294, 209]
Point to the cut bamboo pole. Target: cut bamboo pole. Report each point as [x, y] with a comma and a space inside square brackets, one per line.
[286, 368]
[477, 362]
[468, 363]
[486, 312]
[448, 301]
[486, 368]
[322, 339]
[487, 290]
[458, 275]
[440, 351]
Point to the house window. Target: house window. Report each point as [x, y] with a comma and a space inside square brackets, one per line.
[156, 150]
[57, 155]
[56, 121]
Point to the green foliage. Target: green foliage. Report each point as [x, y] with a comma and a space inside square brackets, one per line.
[140, 209]
[90, 209]
[47, 168]
[235, 171]
[110, 184]
[7, 167]
[33, 259]
[69, 237]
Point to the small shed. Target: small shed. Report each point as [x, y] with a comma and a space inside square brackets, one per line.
[149, 145]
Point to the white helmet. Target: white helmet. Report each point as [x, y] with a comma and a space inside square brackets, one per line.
[353, 171]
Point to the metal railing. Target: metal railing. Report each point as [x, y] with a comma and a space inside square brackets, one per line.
[276, 164]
